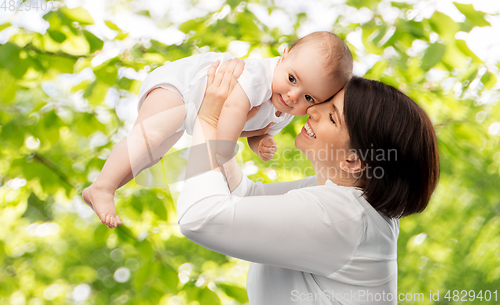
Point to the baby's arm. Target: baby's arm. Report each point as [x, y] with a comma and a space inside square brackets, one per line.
[232, 120]
[264, 146]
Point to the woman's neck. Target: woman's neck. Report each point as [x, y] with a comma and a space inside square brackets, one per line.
[337, 176]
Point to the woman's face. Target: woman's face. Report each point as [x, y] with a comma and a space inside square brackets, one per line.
[324, 138]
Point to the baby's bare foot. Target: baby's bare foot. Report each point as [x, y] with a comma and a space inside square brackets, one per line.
[102, 202]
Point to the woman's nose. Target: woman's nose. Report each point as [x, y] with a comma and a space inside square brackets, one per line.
[313, 112]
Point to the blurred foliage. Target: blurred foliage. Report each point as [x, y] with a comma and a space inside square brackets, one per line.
[57, 127]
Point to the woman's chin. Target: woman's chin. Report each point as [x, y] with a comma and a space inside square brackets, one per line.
[299, 143]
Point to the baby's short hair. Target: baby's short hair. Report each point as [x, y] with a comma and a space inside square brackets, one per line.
[338, 57]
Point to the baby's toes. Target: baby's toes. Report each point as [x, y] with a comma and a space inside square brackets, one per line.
[118, 220]
[108, 219]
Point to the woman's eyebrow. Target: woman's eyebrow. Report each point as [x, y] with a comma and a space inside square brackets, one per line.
[336, 110]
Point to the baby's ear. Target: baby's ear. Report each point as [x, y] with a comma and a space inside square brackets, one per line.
[285, 54]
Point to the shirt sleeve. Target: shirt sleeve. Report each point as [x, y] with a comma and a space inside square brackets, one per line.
[248, 187]
[294, 230]
[275, 129]
[256, 80]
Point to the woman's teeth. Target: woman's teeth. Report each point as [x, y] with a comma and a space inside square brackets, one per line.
[309, 130]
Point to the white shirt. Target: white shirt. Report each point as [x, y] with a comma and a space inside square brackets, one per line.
[188, 78]
[308, 244]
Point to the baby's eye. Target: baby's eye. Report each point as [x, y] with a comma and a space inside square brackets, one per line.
[291, 78]
[331, 118]
[309, 99]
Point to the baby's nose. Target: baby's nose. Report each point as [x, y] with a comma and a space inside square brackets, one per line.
[293, 95]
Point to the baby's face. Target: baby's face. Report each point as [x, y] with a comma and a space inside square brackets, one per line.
[300, 81]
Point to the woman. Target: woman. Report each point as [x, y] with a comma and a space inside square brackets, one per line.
[330, 238]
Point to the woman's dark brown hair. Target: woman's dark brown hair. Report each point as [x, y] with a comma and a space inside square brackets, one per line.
[396, 142]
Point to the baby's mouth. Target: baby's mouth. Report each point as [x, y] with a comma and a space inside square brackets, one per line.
[282, 101]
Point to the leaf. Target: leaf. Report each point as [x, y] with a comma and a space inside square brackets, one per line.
[94, 42]
[471, 74]
[489, 79]
[376, 71]
[125, 83]
[237, 293]
[462, 46]
[111, 25]
[76, 45]
[169, 277]
[106, 73]
[62, 63]
[208, 297]
[401, 5]
[49, 126]
[192, 25]
[362, 3]
[78, 14]
[121, 35]
[57, 35]
[4, 26]
[433, 55]
[12, 135]
[473, 16]
[142, 274]
[87, 123]
[9, 54]
[37, 210]
[160, 210]
[8, 88]
[124, 234]
[443, 25]
[20, 69]
[96, 93]
[371, 32]
[234, 3]
[416, 29]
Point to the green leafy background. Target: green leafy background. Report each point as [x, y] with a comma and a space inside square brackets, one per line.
[57, 126]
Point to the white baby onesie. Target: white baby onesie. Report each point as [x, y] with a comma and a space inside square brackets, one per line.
[188, 78]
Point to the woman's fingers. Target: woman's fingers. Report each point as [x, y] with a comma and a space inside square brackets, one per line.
[220, 74]
[211, 72]
[228, 75]
[238, 69]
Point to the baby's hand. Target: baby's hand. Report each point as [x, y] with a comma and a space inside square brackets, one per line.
[267, 148]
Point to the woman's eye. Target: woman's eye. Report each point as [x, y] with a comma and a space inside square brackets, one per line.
[291, 79]
[309, 98]
[331, 118]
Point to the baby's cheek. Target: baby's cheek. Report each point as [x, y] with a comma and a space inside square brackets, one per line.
[302, 110]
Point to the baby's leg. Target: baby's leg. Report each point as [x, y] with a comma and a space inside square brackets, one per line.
[161, 114]
[165, 146]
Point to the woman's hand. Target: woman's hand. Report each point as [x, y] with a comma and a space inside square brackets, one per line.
[219, 86]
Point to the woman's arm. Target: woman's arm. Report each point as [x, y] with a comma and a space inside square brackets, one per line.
[202, 157]
[312, 231]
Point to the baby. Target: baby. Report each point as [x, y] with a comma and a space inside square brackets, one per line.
[314, 70]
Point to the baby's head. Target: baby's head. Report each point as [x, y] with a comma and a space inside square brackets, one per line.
[315, 69]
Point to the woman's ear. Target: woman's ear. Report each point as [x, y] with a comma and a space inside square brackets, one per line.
[352, 164]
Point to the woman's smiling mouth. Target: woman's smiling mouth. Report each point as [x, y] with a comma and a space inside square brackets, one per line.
[308, 130]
